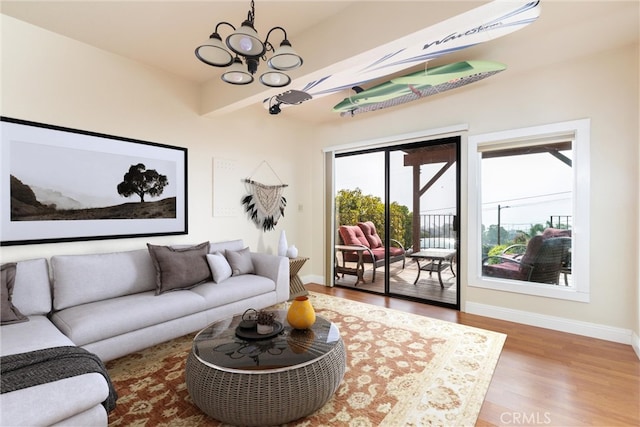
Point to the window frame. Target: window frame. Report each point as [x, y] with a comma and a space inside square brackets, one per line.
[579, 133]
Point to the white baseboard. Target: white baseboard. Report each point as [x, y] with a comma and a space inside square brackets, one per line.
[312, 278]
[635, 343]
[593, 330]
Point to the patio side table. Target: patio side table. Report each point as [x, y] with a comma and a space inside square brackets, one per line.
[296, 287]
[437, 260]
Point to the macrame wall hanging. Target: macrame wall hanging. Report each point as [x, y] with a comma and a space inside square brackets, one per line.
[264, 204]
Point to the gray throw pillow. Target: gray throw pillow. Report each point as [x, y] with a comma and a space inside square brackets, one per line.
[220, 268]
[240, 262]
[179, 268]
[8, 312]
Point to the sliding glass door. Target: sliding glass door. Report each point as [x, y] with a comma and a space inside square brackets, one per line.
[396, 214]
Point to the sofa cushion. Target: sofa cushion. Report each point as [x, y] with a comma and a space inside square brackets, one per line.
[57, 403]
[179, 268]
[236, 288]
[240, 262]
[32, 292]
[229, 245]
[9, 313]
[219, 266]
[35, 334]
[101, 320]
[80, 279]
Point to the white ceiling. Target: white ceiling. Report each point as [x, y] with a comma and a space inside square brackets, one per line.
[164, 34]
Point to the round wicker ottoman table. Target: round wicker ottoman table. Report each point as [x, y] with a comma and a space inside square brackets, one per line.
[264, 382]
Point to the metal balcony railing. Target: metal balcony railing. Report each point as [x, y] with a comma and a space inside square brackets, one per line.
[438, 231]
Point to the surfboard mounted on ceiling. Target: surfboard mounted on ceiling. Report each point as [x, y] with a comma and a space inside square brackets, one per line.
[416, 86]
[482, 24]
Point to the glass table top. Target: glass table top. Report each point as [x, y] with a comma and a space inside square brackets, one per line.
[218, 345]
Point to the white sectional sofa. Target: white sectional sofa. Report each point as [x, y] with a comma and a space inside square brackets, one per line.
[114, 304]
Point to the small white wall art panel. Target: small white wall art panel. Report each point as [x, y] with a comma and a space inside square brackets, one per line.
[227, 188]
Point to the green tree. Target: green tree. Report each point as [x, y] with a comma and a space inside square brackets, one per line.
[401, 224]
[140, 180]
[536, 229]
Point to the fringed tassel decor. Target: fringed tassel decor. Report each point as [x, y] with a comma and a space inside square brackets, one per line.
[264, 204]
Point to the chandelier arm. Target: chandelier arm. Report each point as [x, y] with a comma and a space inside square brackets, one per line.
[266, 40]
[221, 23]
[268, 47]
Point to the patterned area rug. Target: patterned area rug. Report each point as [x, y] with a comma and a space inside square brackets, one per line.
[402, 370]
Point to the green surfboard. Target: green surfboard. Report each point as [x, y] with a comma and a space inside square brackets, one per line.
[416, 86]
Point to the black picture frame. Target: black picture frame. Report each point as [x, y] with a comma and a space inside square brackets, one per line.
[61, 185]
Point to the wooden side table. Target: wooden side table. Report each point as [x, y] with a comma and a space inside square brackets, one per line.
[296, 287]
[358, 271]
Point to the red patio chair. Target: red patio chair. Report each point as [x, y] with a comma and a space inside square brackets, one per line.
[364, 234]
[542, 261]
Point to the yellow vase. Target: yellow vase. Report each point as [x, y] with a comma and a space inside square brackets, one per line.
[301, 314]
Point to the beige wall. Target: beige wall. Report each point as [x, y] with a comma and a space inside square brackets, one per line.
[603, 88]
[78, 86]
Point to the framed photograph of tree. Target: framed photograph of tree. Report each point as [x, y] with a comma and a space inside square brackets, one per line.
[61, 184]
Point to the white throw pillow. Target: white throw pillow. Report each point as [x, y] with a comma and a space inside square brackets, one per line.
[220, 268]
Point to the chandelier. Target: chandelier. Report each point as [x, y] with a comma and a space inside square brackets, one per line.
[246, 45]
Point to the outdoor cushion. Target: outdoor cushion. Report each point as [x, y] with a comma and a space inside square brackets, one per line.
[516, 270]
[533, 247]
[369, 230]
[378, 254]
[505, 270]
[353, 235]
[555, 232]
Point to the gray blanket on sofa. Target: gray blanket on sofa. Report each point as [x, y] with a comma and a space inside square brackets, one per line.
[18, 371]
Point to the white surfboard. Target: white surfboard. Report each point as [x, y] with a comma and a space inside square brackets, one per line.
[479, 25]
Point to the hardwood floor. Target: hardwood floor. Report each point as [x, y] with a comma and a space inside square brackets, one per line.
[543, 377]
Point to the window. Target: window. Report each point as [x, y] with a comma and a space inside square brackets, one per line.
[525, 183]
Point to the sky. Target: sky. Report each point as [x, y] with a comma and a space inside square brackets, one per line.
[528, 188]
[90, 177]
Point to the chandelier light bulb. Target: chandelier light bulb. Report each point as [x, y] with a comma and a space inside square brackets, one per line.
[245, 41]
[246, 44]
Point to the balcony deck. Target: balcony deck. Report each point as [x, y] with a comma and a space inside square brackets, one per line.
[401, 282]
